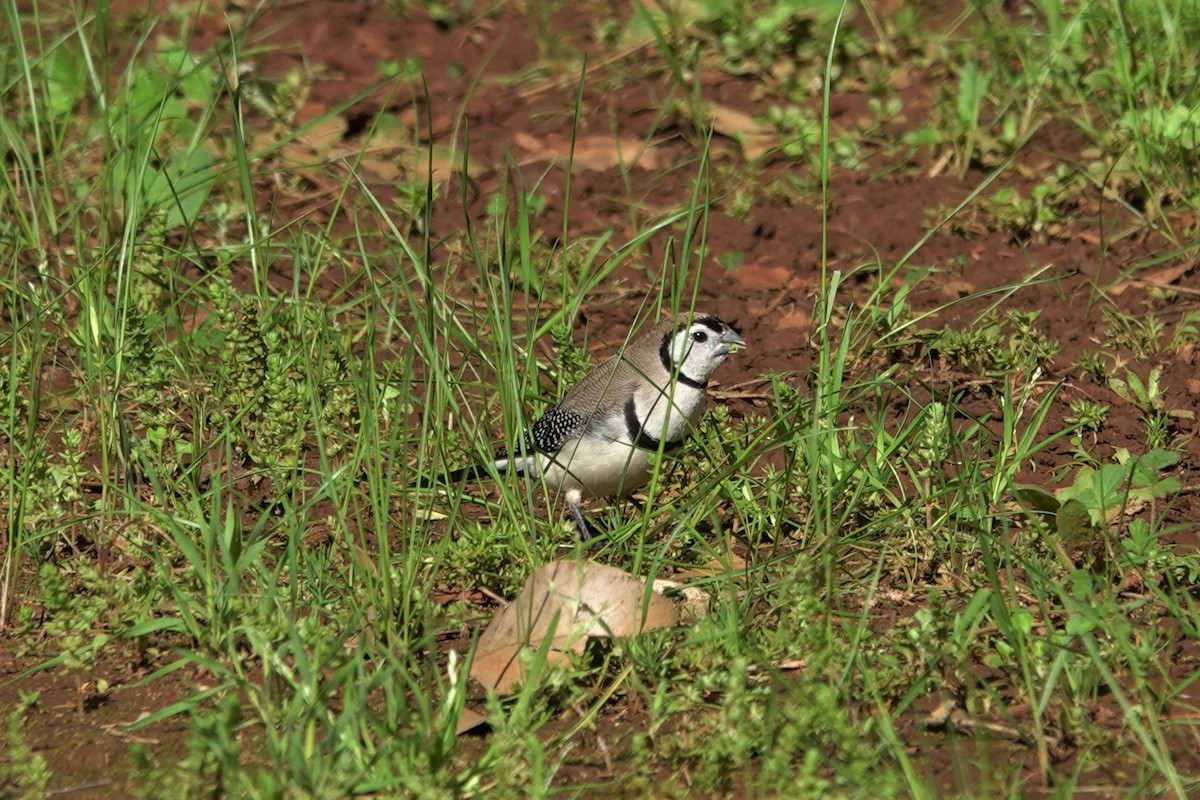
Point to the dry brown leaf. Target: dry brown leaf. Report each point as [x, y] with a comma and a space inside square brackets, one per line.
[940, 716]
[313, 146]
[600, 153]
[382, 168]
[390, 132]
[955, 288]
[1163, 277]
[445, 161]
[469, 720]
[691, 602]
[594, 153]
[564, 603]
[527, 141]
[784, 665]
[755, 138]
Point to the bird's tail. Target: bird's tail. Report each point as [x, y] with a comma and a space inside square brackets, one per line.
[501, 462]
[474, 472]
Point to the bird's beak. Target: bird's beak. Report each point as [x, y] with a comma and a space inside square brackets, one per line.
[732, 340]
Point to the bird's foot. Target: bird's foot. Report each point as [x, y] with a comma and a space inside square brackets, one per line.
[587, 530]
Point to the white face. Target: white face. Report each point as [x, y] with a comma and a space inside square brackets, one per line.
[700, 348]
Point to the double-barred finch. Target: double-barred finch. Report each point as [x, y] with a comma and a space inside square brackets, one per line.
[598, 441]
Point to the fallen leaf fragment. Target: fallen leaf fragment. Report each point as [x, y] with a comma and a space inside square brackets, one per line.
[382, 169]
[594, 153]
[940, 716]
[950, 716]
[469, 720]
[1164, 277]
[560, 606]
[955, 288]
[390, 132]
[784, 665]
[756, 138]
[692, 602]
[314, 144]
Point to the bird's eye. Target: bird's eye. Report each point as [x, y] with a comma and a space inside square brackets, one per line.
[699, 336]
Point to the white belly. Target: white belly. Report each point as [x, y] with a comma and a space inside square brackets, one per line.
[607, 463]
[607, 469]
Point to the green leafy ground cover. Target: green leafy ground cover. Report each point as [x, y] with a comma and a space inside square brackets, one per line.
[942, 521]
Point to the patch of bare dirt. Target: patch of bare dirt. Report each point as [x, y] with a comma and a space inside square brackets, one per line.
[80, 732]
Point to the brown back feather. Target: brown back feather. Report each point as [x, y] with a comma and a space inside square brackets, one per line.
[614, 380]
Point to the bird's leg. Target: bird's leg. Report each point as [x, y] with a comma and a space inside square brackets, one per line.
[586, 531]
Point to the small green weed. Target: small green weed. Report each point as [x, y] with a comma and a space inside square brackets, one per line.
[996, 346]
[1039, 214]
[1090, 64]
[1087, 415]
[1149, 398]
[1132, 482]
[22, 770]
[1148, 335]
[800, 134]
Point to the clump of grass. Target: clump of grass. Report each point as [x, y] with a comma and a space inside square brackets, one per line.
[226, 477]
[22, 769]
[995, 346]
[1090, 66]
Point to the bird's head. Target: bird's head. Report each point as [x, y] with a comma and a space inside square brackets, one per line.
[699, 345]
